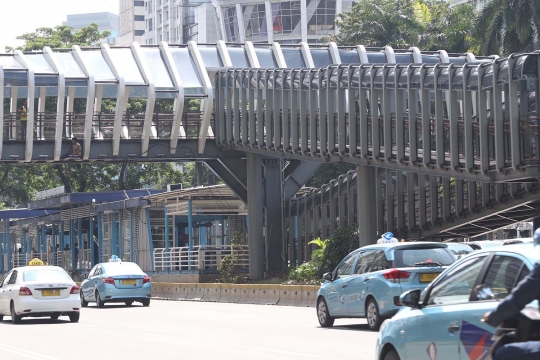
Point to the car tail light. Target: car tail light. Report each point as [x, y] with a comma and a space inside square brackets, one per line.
[75, 290]
[146, 279]
[108, 281]
[393, 275]
[24, 291]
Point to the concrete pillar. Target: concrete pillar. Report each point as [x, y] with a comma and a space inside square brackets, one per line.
[255, 208]
[535, 224]
[273, 220]
[367, 218]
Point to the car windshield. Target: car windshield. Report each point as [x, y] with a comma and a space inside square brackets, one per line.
[46, 275]
[411, 256]
[122, 268]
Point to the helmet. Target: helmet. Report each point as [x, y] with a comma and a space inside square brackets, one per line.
[536, 237]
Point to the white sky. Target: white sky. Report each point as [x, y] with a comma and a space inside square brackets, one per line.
[23, 16]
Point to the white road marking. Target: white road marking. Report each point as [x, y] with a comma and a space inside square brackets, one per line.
[286, 352]
[24, 353]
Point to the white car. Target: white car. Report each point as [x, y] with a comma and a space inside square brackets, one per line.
[39, 291]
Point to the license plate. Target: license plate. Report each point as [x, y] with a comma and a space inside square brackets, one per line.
[129, 282]
[50, 292]
[428, 277]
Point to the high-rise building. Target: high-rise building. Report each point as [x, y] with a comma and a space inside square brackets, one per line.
[132, 22]
[205, 21]
[105, 20]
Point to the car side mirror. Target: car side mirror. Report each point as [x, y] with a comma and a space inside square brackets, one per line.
[328, 277]
[410, 298]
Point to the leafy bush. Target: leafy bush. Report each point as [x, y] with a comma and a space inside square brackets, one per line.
[230, 268]
[328, 255]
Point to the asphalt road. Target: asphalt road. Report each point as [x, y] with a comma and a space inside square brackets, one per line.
[187, 330]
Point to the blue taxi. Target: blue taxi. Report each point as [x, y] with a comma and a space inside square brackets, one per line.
[116, 281]
[368, 282]
[443, 322]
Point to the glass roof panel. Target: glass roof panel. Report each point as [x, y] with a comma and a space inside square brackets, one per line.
[376, 58]
[349, 56]
[96, 65]
[186, 68]
[8, 61]
[16, 78]
[39, 64]
[210, 57]
[430, 59]
[125, 64]
[266, 58]
[404, 58]
[293, 58]
[321, 57]
[157, 68]
[239, 57]
[68, 65]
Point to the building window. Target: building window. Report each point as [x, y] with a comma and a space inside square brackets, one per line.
[231, 23]
[255, 21]
[323, 20]
[286, 18]
[139, 3]
[150, 25]
[139, 32]
[139, 17]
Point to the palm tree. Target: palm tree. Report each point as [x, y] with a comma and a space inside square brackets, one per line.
[508, 26]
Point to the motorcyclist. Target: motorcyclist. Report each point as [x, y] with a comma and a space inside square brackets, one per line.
[525, 292]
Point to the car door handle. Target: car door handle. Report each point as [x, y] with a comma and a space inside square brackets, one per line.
[453, 328]
[344, 286]
[366, 279]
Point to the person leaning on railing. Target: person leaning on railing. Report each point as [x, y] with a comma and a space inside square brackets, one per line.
[23, 117]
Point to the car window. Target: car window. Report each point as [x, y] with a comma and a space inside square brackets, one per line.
[345, 268]
[502, 275]
[128, 268]
[91, 273]
[457, 284]
[13, 278]
[98, 271]
[524, 272]
[6, 280]
[363, 262]
[49, 275]
[408, 257]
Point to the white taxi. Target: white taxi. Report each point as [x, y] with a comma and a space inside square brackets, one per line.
[39, 291]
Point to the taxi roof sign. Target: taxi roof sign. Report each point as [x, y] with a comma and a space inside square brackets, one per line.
[36, 262]
[115, 258]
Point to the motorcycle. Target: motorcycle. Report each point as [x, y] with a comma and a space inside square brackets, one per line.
[524, 327]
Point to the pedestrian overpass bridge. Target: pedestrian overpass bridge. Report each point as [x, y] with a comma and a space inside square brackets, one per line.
[455, 130]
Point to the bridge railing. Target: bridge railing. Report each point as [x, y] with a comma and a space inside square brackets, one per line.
[467, 118]
[203, 257]
[102, 125]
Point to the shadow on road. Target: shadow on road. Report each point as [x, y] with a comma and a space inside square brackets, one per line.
[113, 306]
[349, 327]
[36, 321]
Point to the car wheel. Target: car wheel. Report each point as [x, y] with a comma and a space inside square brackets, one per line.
[99, 302]
[129, 303]
[325, 320]
[84, 303]
[74, 317]
[146, 302]
[374, 319]
[391, 355]
[55, 316]
[15, 319]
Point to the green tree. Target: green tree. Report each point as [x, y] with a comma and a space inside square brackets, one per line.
[508, 26]
[60, 37]
[427, 24]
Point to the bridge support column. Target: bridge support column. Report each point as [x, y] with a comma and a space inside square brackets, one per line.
[272, 216]
[367, 217]
[255, 216]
